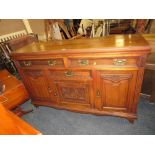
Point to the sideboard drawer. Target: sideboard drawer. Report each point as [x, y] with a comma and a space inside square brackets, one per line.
[70, 75]
[77, 62]
[48, 62]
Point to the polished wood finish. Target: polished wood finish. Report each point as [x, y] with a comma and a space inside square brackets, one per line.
[121, 84]
[121, 43]
[101, 76]
[14, 92]
[19, 42]
[10, 124]
[37, 84]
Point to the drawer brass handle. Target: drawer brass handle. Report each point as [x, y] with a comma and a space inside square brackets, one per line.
[98, 94]
[119, 62]
[68, 73]
[84, 62]
[51, 62]
[27, 63]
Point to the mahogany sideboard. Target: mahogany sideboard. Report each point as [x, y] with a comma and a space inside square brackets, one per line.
[102, 76]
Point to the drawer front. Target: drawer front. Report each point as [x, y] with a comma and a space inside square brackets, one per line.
[70, 75]
[47, 62]
[127, 62]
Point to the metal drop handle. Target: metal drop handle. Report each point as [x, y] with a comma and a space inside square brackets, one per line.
[68, 73]
[51, 62]
[27, 63]
[84, 62]
[119, 62]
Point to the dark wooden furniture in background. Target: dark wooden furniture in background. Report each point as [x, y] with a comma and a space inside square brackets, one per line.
[22, 41]
[10, 124]
[13, 92]
[102, 76]
[122, 27]
[6, 47]
[148, 86]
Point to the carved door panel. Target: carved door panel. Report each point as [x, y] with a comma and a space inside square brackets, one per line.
[116, 90]
[74, 93]
[37, 84]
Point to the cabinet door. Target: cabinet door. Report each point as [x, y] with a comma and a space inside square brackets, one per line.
[73, 92]
[116, 90]
[72, 88]
[36, 84]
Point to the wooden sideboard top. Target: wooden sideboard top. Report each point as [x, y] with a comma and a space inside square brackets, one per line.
[110, 43]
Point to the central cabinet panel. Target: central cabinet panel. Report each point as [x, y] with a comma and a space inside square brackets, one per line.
[72, 87]
[73, 92]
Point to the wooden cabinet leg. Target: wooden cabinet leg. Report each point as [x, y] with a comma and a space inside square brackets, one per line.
[36, 106]
[131, 121]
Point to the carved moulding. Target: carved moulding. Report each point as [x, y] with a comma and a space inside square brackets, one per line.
[116, 77]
